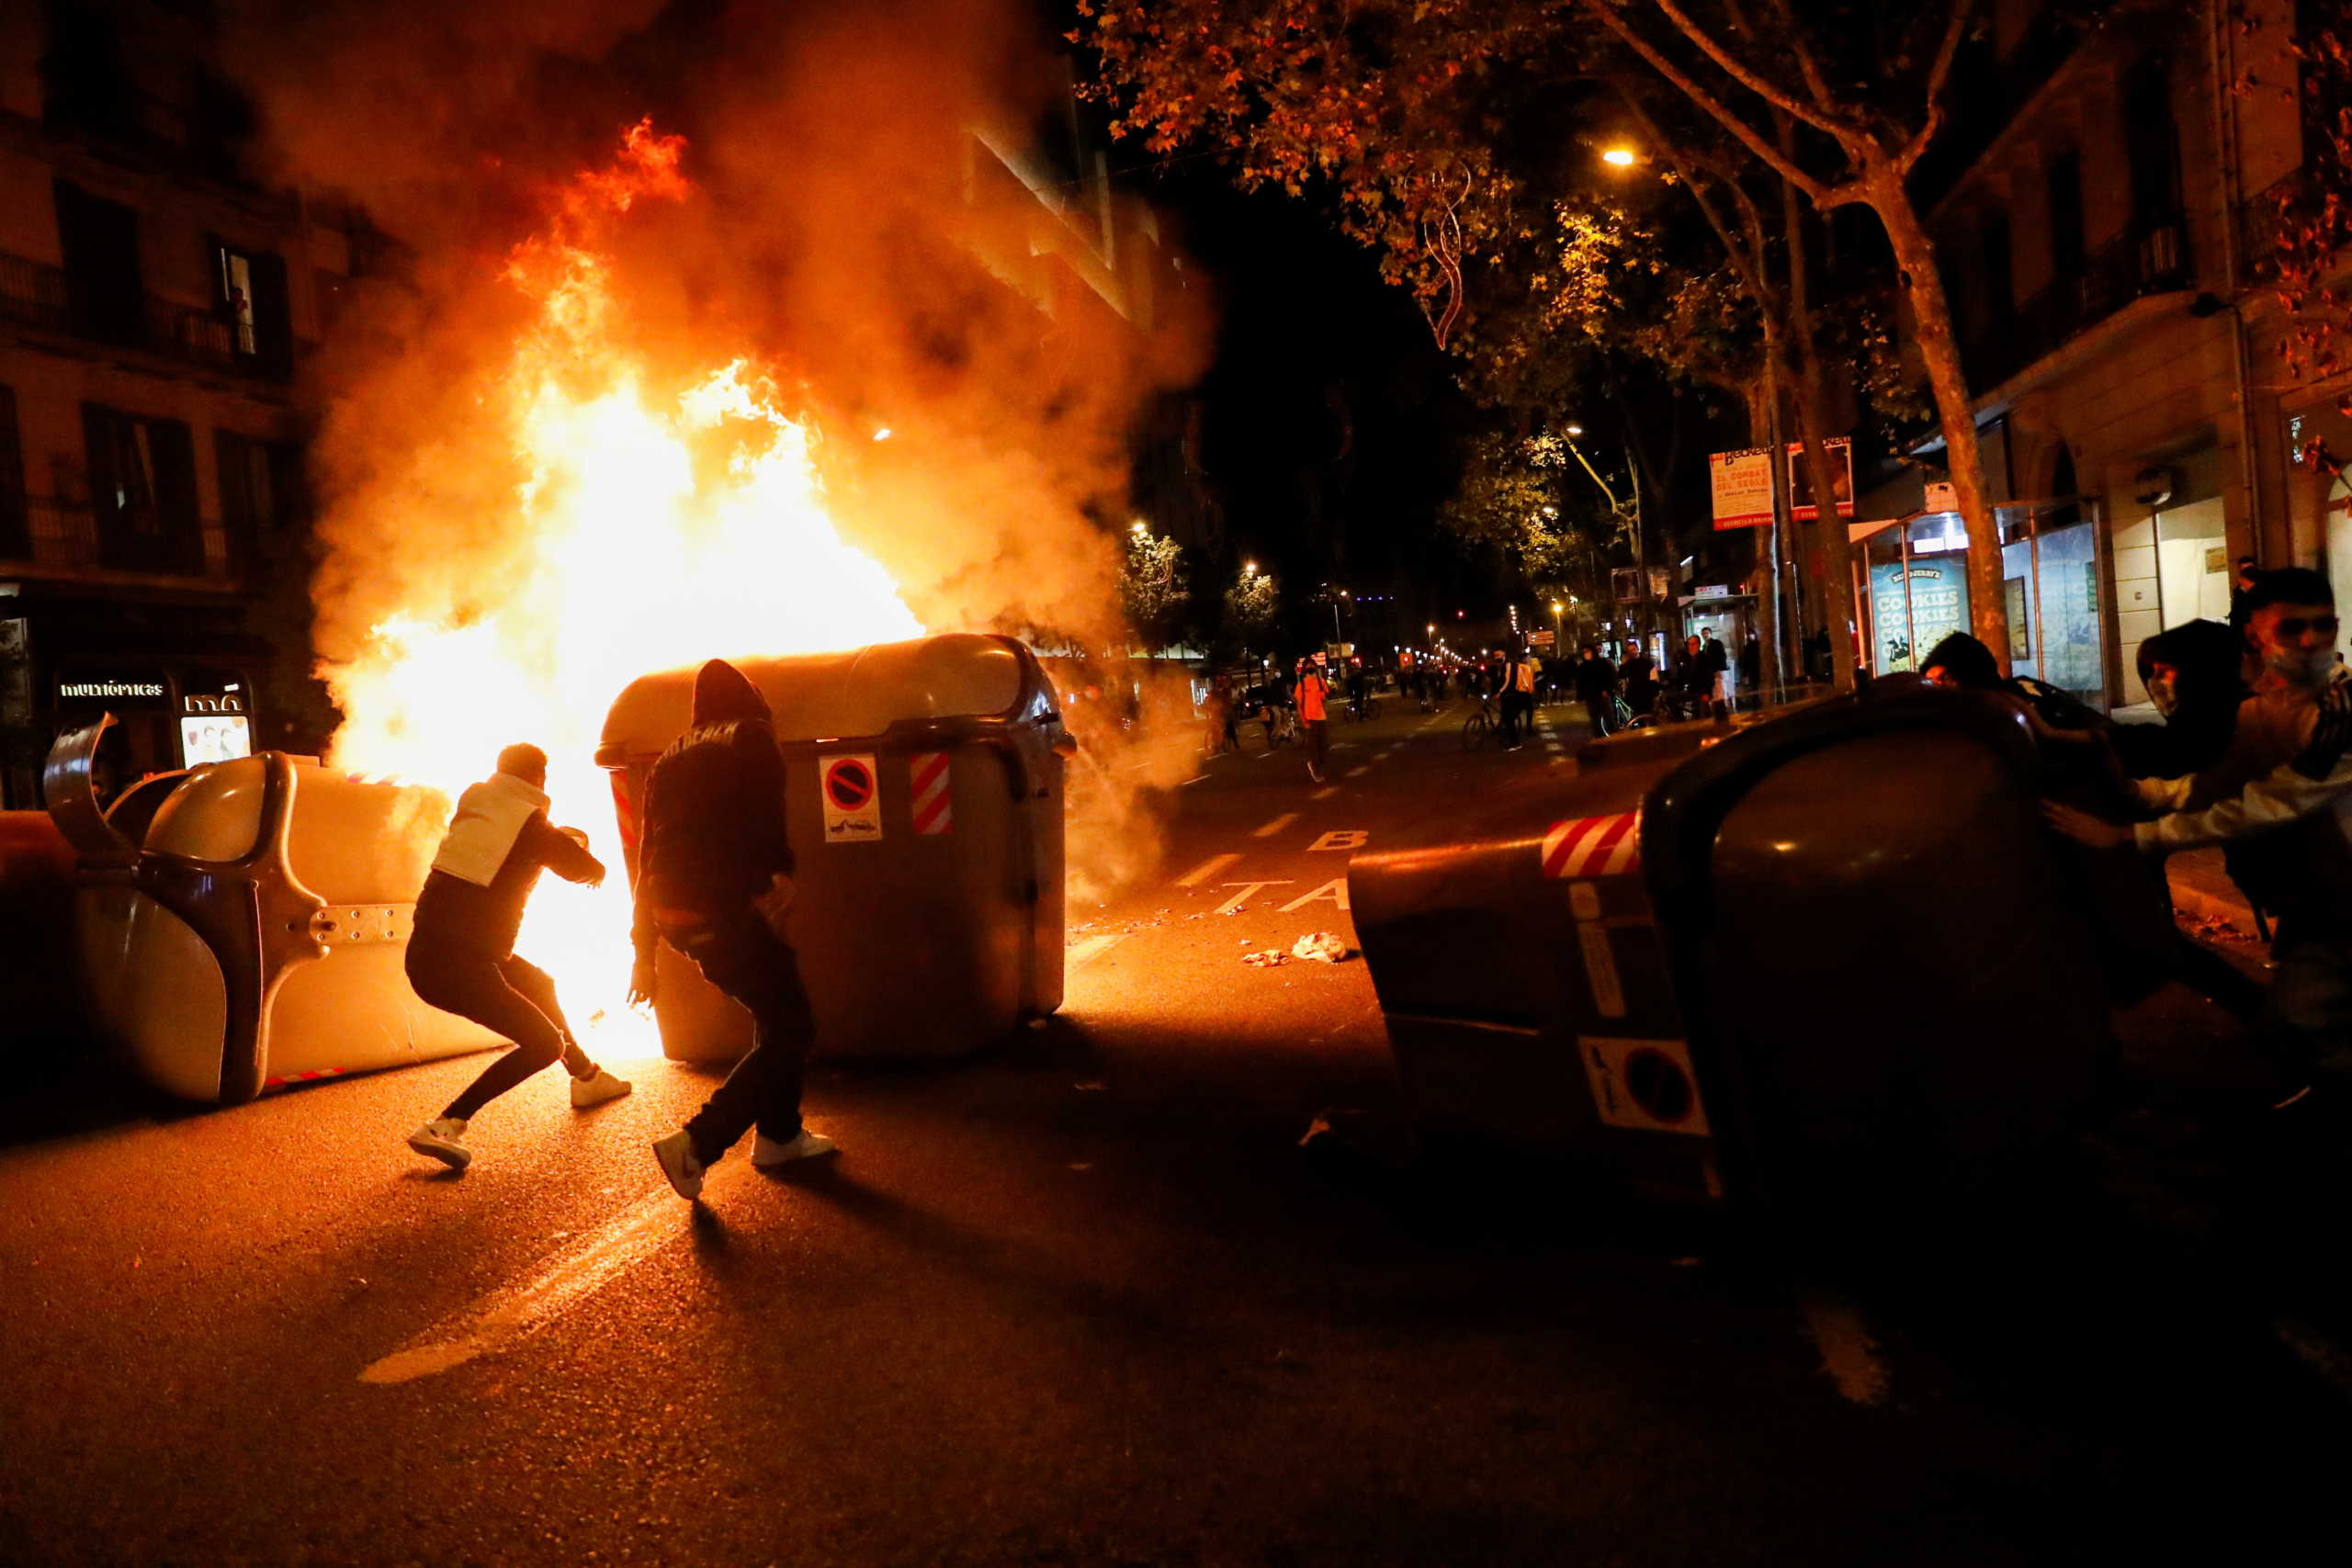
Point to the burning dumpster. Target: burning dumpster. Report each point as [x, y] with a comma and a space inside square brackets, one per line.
[1828, 957]
[243, 924]
[924, 807]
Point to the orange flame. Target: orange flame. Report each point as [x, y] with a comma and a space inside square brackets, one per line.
[637, 556]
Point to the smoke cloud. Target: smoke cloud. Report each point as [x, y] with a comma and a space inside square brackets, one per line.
[840, 225]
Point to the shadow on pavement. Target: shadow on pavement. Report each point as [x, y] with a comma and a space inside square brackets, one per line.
[64, 1085]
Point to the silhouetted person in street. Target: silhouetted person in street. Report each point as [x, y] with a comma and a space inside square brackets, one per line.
[1718, 665]
[713, 882]
[461, 954]
[1314, 698]
[1596, 689]
[2242, 581]
[1639, 673]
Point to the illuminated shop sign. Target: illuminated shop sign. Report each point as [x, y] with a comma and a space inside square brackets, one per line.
[109, 690]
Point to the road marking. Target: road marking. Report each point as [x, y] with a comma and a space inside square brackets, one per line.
[1194, 779]
[1334, 891]
[1326, 793]
[511, 1314]
[1274, 826]
[1206, 870]
[1341, 839]
[1848, 1352]
[1358, 771]
[1246, 888]
[1092, 947]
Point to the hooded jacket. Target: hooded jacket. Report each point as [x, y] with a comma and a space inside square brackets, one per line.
[713, 826]
[498, 840]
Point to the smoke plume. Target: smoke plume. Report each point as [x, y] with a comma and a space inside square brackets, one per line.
[837, 223]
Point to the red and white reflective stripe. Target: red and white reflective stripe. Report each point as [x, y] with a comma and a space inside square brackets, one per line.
[933, 806]
[302, 1077]
[1594, 846]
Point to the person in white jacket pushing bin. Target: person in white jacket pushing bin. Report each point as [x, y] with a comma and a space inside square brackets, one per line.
[2281, 798]
[461, 954]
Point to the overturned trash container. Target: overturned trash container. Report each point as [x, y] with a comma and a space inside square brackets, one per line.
[923, 801]
[1820, 962]
[245, 925]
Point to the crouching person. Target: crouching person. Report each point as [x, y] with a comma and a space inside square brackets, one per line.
[712, 882]
[461, 954]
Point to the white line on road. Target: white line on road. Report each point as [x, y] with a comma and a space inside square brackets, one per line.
[1231, 905]
[1358, 771]
[1092, 947]
[1206, 870]
[1849, 1353]
[513, 1313]
[1326, 793]
[1269, 829]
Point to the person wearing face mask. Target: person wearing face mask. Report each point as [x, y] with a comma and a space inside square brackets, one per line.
[2193, 673]
[2281, 800]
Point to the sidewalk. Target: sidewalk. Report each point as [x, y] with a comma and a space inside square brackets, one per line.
[2202, 889]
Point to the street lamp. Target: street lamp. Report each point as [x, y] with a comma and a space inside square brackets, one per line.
[1559, 648]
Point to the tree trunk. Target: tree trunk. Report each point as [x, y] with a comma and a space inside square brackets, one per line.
[1931, 329]
[1765, 424]
[1832, 546]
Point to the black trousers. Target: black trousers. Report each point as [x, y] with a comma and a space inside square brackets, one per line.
[1518, 708]
[1601, 712]
[740, 954]
[507, 996]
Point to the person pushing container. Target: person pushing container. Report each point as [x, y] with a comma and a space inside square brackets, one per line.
[713, 868]
[461, 954]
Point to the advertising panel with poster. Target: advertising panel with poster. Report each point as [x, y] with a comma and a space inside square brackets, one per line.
[1841, 459]
[1741, 486]
[1910, 623]
[214, 737]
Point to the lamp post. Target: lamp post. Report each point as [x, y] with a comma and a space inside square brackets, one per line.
[1559, 648]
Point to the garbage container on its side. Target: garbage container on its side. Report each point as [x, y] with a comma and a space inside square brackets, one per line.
[923, 800]
[1824, 962]
[245, 925]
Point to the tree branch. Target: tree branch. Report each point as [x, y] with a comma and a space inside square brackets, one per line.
[1947, 50]
[1746, 78]
[1823, 197]
[1807, 67]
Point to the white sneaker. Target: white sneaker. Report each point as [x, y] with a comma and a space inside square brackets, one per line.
[677, 1154]
[767, 1154]
[588, 1093]
[437, 1139]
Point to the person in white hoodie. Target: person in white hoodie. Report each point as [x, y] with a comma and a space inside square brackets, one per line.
[2281, 798]
[461, 954]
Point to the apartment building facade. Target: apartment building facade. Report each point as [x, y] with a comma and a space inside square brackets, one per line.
[158, 310]
[2098, 248]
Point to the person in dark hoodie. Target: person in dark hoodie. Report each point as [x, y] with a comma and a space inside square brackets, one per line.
[461, 954]
[713, 881]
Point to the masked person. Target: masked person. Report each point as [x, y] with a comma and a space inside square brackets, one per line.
[712, 882]
[461, 954]
[2281, 800]
[1596, 689]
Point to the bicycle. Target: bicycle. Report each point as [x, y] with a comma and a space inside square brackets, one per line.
[1360, 709]
[1479, 727]
[1281, 727]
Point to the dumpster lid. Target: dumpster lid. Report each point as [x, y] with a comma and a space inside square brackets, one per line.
[861, 692]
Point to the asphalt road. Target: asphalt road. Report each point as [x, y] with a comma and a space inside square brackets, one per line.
[1086, 1301]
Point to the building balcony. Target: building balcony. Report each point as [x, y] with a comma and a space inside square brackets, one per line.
[2148, 258]
[35, 294]
[44, 538]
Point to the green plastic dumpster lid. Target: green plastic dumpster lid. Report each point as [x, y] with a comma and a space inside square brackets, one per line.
[819, 696]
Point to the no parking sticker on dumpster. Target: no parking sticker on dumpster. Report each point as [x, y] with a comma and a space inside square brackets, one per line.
[852, 796]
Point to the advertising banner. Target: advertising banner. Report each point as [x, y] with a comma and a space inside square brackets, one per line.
[1911, 615]
[1741, 485]
[1841, 459]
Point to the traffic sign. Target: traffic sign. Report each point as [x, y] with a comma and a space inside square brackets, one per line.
[851, 793]
[1539, 639]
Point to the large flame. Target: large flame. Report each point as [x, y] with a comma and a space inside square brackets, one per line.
[640, 550]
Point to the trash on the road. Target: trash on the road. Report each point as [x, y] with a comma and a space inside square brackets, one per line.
[1268, 959]
[1320, 946]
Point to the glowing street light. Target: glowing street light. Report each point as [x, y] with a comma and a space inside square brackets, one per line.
[1618, 157]
[1139, 529]
[883, 434]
